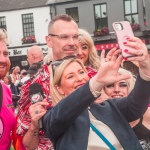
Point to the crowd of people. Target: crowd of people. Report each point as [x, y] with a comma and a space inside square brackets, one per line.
[74, 99]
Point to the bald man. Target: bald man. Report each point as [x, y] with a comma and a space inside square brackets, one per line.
[34, 54]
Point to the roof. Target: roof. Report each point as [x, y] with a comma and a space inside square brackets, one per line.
[59, 1]
[6, 5]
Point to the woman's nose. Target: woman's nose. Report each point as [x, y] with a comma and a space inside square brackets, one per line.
[79, 77]
[79, 52]
[116, 88]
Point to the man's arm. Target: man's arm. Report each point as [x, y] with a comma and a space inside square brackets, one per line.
[25, 121]
[31, 138]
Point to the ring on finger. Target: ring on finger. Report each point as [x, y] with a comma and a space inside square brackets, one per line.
[107, 59]
[141, 54]
[36, 112]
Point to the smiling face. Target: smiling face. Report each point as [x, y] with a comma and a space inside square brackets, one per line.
[4, 60]
[73, 77]
[60, 44]
[117, 90]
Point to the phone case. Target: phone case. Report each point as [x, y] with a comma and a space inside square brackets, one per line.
[122, 35]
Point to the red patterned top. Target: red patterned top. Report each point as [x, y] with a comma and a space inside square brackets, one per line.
[24, 120]
[91, 72]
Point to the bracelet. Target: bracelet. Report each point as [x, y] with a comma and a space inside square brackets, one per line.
[95, 93]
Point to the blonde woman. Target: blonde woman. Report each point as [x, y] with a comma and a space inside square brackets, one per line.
[70, 122]
[122, 88]
[3, 35]
[87, 51]
[141, 126]
[119, 89]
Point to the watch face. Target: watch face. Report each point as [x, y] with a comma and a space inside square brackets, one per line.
[36, 98]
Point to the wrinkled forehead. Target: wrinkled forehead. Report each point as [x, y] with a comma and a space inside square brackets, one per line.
[65, 27]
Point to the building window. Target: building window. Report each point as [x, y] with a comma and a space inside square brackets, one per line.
[3, 22]
[131, 11]
[100, 13]
[28, 25]
[144, 13]
[73, 12]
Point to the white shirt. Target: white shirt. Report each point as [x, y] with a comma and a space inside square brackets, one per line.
[95, 142]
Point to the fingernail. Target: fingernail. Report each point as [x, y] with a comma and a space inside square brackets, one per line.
[124, 42]
[126, 50]
[125, 58]
[127, 38]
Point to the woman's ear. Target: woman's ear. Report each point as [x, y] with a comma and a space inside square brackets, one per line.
[59, 89]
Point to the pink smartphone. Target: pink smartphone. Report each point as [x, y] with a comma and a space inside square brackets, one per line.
[123, 30]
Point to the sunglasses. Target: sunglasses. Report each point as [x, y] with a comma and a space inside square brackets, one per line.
[59, 61]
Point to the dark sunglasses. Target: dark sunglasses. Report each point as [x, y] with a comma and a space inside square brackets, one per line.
[59, 61]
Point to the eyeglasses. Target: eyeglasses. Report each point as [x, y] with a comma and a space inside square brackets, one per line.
[65, 38]
[59, 61]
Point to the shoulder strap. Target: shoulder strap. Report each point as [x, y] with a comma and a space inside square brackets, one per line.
[1, 96]
[102, 137]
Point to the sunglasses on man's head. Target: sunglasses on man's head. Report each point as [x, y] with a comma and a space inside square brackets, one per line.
[59, 61]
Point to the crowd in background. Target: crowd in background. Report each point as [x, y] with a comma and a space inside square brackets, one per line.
[74, 59]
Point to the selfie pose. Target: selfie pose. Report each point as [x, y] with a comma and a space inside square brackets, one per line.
[140, 126]
[76, 123]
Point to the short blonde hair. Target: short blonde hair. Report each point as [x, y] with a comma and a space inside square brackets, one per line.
[3, 36]
[55, 79]
[93, 58]
[130, 82]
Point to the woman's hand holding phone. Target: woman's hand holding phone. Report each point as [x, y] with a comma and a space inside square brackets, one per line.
[133, 49]
[139, 52]
[123, 32]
